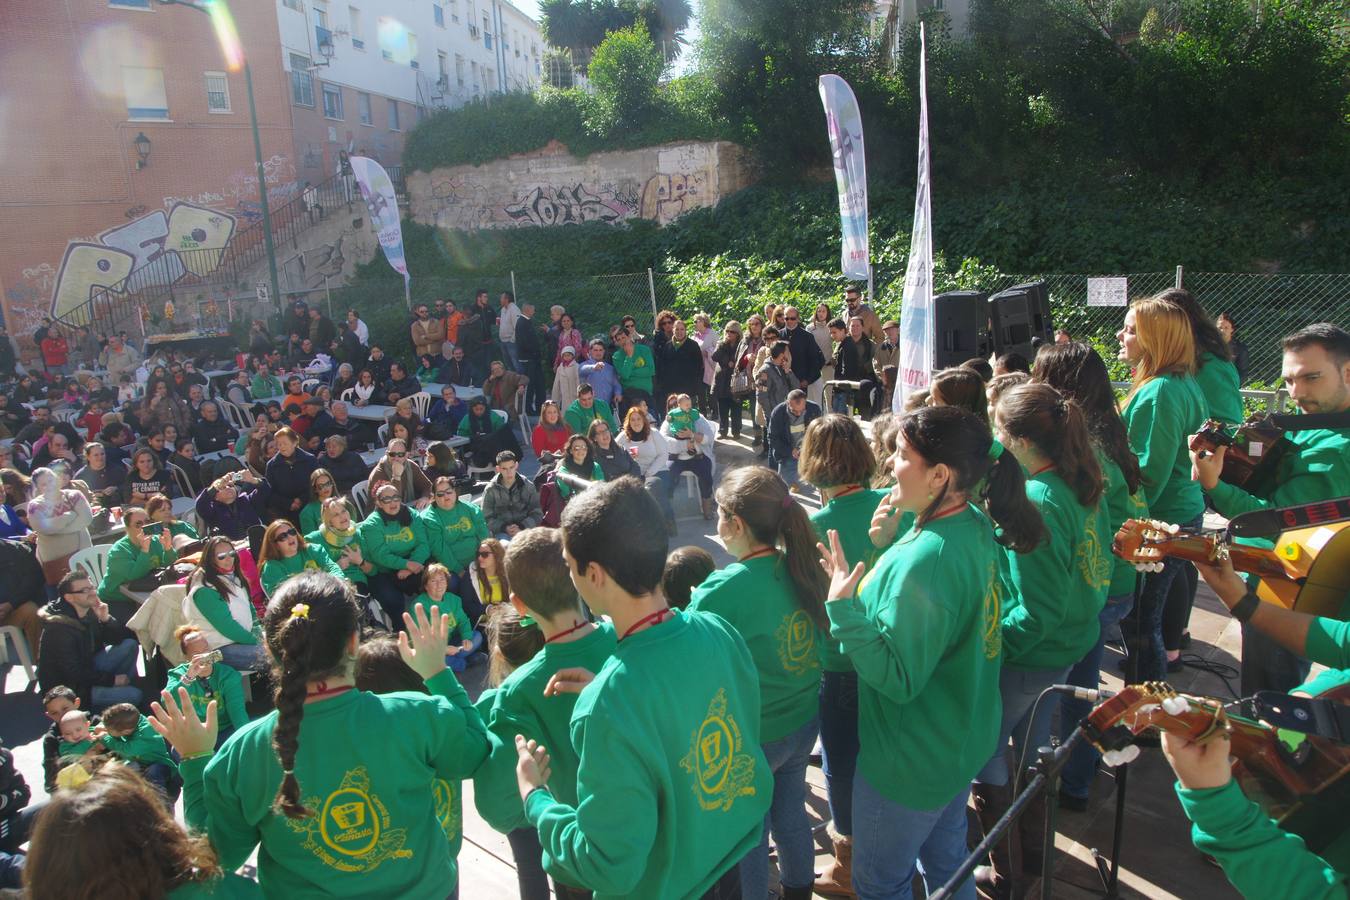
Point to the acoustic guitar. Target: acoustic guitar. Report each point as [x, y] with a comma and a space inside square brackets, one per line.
[1308, 570]
[1298, 779]
[1255, 448]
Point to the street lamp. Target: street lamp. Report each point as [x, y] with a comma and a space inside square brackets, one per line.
[235, 58]
[142, 145]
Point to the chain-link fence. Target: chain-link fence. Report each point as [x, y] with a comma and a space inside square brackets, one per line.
[1265, 307]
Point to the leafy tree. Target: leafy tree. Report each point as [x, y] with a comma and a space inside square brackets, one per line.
[581, 25]
[625, 71]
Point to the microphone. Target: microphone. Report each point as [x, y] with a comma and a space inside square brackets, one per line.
[1082, 693]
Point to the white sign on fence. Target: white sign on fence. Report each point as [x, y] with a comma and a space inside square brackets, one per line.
[262, 291]
[1108, 291]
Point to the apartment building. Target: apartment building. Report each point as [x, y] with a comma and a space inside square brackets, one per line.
[363, 72]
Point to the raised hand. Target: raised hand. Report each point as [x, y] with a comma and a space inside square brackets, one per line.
[178, 724]
[423, 645]
[532, 768]
[843, 581]
[885, 521]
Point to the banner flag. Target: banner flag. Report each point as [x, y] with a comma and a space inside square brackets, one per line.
[850, 172]
[378, 192]
[917, 321]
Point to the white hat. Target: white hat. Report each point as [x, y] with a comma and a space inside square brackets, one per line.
[570, 349]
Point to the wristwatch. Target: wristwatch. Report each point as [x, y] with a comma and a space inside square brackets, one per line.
[1244, 609]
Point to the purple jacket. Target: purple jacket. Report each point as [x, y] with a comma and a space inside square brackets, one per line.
[235, 519]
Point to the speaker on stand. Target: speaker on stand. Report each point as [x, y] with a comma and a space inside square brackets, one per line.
[962, 327]
[1017, 315]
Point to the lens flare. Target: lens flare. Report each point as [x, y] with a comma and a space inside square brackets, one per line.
[226, 32]
[393, 37]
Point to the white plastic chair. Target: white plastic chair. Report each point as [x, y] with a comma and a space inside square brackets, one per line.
[520, 413]
[382, 434]
[361, 497]
[92, 561]
[309, 384]
[66, 415]
[421, 402]
[180, 479]
[22, 652]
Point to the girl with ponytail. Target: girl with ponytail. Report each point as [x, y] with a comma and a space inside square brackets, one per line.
[1055, 592]
[774, 595]
[1079, 374]
[922, 631]
[331, 811]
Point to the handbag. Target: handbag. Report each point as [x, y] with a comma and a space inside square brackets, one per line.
[740, 383]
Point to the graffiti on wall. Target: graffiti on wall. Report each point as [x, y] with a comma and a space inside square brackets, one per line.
[153, 250]
[544, 206]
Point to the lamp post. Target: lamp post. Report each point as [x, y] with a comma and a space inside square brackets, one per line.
[206, 7]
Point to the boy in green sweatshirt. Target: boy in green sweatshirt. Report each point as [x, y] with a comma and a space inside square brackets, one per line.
[671, 785]
[541, 589]
[129, 736]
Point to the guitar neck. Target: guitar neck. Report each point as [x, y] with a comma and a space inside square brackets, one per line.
[1254, 560]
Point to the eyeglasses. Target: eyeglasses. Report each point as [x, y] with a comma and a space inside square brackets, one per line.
[228, 554]
[84, 590]
[445, 493]
[324, 484]
[393, 454]
[389, 498]
[792, 318]
[285, 535]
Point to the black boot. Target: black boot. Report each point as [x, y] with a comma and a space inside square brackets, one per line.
[797, 893]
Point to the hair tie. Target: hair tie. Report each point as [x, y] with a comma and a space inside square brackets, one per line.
[527, 622]
[995, 450]
[288, 772]
[299, 611]
[787, 501]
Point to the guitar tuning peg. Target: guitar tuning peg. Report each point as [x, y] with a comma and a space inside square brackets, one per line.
[1126, 754]
[1175, 706]
[1173, 528]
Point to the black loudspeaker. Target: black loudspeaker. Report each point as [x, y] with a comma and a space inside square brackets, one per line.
[962, 327]
[1017, 315]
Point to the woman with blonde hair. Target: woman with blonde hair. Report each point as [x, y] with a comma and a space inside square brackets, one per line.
[1164, 406]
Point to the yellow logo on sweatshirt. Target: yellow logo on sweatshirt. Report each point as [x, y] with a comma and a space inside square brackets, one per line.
[351, 833]
[721, 771]
[1093, 563]
[447, 807]
[993, 614]
[796, 637]
[403, 535]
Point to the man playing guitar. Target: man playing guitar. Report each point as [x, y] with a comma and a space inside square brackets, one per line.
[1316, 372]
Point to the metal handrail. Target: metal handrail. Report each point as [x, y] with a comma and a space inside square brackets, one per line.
[1278, 399]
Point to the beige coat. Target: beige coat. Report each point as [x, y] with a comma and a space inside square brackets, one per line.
[428, 336]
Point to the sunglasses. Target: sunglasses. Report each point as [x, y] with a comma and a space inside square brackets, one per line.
[284, 535]
[484, 554]
[324, 484]
[445, 493]
[391, 498]
[228, 554]
[397, 455]
[792, 318]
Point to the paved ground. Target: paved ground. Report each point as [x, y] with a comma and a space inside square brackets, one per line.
[1158, 859]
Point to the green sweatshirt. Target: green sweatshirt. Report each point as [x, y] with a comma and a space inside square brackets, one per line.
[565, 488]
[1057, 590]
[923, 634]
[672, 785]
[453, 534]
[311, 516]
[578, 418]
[1259, 858]
[216, 611]
[126, 563]
[851, 516]
[263, 387]
[375, 830]
[224, 685]
[638, 371]
[520, 707]
[1329, 642]
[311, 557]
[449, 604]
[1120, 505]
[1160, 418]
[757, 597]
[390, 545]
[1315, 468]
[144, 745]
[351, 573]
[227, 887]
[76, 748]
[1221, 387]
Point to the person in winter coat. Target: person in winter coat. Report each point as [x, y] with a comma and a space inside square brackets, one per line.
[510, 502]
[233, 503]
[84, 648]
[288, 474]
[726, 358]
[21, 590]
[681, 363]
[212, 433]
[396, 468]
[651, 451]
[428, 333]
[566, 377]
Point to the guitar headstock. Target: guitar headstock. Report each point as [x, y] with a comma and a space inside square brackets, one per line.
[1211, 435]
[1153, 704]
[1147, 542]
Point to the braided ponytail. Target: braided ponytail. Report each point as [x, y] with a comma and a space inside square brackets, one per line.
[308, 624]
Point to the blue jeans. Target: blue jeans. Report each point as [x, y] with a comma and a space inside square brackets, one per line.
[457, 662]
[243, 657]
[840, 401]
[1081, 768]
[119, 659]
[1019, 689]
[512, 357]
[787, 818]
[787, 470]
[839, 744]
[1152, 601]
[890, 840]
[659, 485]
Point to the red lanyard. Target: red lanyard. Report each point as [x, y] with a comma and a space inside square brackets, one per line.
[655, 618]
[1045, 468]
[846, 491]
[325, 691]
[949, 512]
[562, 634]
[763, 551]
